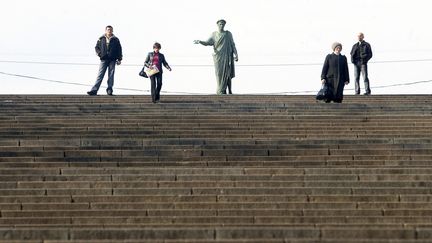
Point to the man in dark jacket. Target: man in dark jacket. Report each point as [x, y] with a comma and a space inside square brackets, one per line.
[361, 53]
[109, 50]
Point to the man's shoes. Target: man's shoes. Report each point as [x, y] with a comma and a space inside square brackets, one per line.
[92, 93]
[357, 93]
[109, 92]
[366, 93]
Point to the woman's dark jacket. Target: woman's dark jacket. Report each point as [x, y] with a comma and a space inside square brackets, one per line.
[149, 61]
[111, 53]
[335, 72]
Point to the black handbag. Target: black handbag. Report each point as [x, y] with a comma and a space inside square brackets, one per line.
[325, 93]
[142, 73]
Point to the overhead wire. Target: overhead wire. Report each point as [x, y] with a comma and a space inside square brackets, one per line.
[62, 82]
[208, 65]
[202, 65]
[192, 93]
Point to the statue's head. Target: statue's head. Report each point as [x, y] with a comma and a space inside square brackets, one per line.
[221, 21]
[221, 24]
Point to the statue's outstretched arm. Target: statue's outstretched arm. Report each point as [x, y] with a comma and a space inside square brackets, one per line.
[204, 43]
[209, 42]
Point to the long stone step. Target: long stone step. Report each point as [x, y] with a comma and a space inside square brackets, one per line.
[220, 191]
[210, 183]
[214, 233]
[215, 171]
[206, 205]
[138, 142]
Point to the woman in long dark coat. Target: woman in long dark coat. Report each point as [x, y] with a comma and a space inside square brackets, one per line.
[335, 73]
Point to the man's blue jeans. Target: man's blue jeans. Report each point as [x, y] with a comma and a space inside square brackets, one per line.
[363, 70]
[104, 65]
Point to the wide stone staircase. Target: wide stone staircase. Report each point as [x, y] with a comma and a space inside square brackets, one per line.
[236, 168]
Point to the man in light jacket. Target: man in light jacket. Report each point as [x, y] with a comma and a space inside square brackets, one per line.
[361, 53]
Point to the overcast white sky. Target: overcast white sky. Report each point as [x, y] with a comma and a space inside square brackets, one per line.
[268, 33]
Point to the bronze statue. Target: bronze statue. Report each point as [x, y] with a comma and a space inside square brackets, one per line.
[225, 53]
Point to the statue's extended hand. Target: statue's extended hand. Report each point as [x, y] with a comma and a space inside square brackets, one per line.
[196, 41]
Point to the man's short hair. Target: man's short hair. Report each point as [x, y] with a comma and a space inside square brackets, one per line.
[109, 26]
[157, 45]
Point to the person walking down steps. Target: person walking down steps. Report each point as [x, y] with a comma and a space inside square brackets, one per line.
[154, 61]
[335, 73]
[109, 50]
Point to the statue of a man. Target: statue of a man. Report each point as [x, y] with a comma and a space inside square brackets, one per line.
[225, 53]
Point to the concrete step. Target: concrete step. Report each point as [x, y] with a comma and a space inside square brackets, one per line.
[211, 184]
[47, 199]
[232, 233]
[117, 172]
[209, 205]
[220, 191]
[216, 220]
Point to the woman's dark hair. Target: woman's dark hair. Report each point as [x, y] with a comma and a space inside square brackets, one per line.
[157, 45]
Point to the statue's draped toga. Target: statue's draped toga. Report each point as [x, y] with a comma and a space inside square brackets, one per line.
[224, 49]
